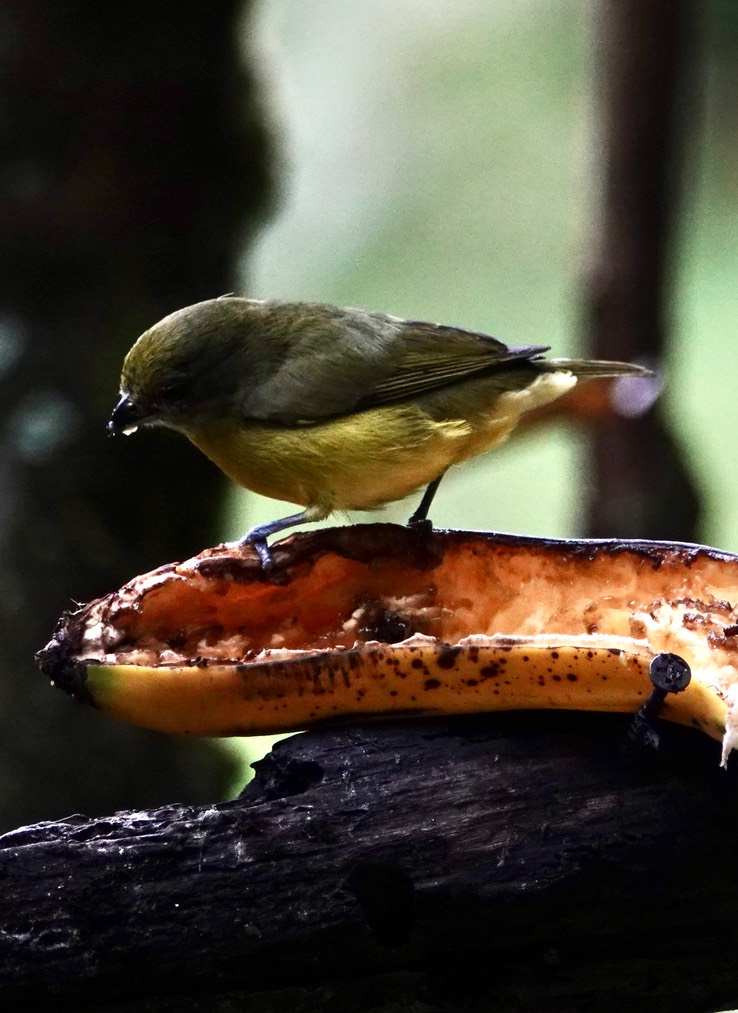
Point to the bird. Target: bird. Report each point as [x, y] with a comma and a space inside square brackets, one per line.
[334, 408]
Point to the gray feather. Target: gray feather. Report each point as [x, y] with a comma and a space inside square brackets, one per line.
[351, 360]
[593, 367]
[300, 363]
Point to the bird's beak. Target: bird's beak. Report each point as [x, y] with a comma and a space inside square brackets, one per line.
[126, 417]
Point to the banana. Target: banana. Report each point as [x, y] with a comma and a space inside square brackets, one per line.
[381, 621]
[282, 696]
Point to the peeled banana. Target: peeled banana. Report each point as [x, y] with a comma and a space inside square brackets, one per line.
[382, 620]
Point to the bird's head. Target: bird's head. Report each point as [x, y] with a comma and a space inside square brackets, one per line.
[187, 364]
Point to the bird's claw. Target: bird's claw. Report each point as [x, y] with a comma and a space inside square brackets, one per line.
[264, 553]
[261, 546]
[422, 524]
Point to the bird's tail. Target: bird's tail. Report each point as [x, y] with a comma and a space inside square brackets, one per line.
[592, 367]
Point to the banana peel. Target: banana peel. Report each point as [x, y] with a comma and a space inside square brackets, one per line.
[381, 621]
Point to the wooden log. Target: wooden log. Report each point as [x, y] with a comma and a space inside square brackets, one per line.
[520, 861]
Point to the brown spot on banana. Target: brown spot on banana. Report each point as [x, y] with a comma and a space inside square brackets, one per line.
[285, 696]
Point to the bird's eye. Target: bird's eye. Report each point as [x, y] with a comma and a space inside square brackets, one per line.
[173, 393]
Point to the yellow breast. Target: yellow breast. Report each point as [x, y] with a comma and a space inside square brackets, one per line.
[363, 460]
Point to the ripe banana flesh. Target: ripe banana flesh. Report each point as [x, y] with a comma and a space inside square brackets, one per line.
[377, 620]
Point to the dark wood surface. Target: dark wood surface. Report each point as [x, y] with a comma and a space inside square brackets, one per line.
[510, 862]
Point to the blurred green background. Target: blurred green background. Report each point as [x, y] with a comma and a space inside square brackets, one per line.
[442, 161]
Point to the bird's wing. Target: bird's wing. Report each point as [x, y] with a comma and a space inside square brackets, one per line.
[355, 360]
[437, 356]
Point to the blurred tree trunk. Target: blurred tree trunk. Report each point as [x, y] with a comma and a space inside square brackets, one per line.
[134, 157]
[642, 486]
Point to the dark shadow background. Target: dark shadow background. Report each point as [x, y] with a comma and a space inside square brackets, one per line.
[135, 159]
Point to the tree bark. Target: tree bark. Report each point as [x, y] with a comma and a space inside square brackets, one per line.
[642, 485]
[508, 862]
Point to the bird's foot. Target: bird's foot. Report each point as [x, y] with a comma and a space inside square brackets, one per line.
[263, 552]
[258, 536]
[420, 520]
[259, 543]
[421, 524]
